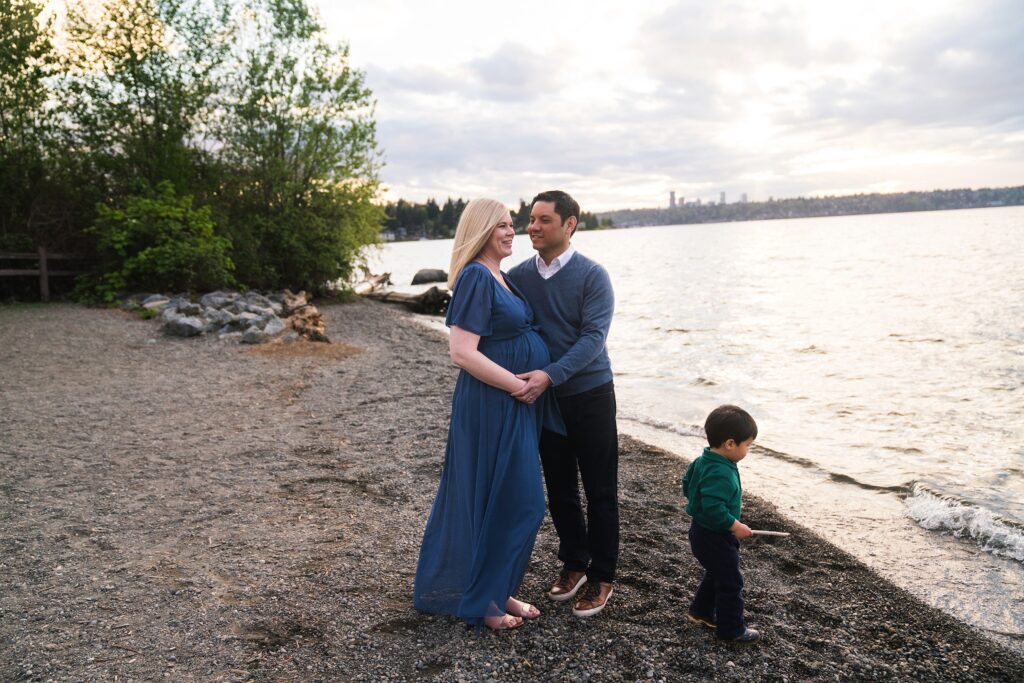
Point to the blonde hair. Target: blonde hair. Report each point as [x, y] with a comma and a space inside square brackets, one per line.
[475, 225]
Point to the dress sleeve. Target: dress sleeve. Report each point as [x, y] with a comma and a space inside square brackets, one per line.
[472, 297]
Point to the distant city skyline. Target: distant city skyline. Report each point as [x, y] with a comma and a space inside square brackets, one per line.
[621, 103]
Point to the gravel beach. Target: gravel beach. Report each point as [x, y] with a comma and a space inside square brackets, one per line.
[199, 510]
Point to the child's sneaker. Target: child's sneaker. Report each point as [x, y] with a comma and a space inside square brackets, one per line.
[745, 638]
[700, 621]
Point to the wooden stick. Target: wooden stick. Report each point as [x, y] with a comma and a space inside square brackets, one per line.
[780, 534]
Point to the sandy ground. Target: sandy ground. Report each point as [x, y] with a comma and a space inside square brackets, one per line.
[196, 510]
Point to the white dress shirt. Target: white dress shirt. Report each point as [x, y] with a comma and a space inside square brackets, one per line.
[546, 270]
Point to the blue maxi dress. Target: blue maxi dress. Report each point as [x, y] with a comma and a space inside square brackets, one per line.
[490, 501]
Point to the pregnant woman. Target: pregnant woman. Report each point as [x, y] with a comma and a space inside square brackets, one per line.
[490, 501]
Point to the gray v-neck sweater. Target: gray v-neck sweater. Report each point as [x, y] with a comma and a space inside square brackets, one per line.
[573, 309]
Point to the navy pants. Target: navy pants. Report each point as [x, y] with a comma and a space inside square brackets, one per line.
[720, 593]
[590, 452]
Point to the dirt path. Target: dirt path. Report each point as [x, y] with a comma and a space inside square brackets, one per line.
[196, 510]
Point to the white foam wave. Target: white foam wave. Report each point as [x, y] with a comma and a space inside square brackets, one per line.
[684, 430]
[937, 512]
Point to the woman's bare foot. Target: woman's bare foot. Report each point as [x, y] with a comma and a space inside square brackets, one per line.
[521, 609]
[503, 623]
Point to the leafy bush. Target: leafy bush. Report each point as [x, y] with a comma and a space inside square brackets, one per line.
[157, 243]
[305, 242]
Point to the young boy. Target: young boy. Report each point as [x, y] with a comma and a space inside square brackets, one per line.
[712, 486]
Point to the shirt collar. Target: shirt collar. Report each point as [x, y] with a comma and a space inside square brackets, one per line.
[561, 259]
[720, 458]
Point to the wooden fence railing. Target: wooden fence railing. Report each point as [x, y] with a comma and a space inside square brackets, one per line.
[43, 271]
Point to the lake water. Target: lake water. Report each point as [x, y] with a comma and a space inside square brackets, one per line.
[882, 357]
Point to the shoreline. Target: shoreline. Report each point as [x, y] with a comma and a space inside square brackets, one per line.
[196, 510]
[955, 575]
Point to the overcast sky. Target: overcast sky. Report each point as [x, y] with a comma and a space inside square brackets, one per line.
[621, 102]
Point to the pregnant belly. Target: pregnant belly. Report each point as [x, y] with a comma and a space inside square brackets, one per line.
[518, 354]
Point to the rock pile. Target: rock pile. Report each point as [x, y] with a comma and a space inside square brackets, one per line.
[251, 317]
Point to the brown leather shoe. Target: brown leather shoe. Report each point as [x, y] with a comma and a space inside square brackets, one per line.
[567, 584]
[592, 599]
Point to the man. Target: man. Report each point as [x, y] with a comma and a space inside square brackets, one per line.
[572, 301]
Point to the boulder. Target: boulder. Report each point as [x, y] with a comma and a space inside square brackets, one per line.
[218, 299]
[237, 307]
[273, 326]
[254, 335]
[220, 316]
[277, 303]
[254, 299]
[248, 319]
[183, 306]
[183, 325]
[156, 301]
[427, 275]
[262, 311]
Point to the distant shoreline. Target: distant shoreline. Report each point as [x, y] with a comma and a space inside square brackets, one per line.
[819, 207]
[803, 207]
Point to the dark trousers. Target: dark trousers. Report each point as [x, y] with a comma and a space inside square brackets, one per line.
[720, 593]
[590, 452]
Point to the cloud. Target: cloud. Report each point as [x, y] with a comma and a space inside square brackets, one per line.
[510, 73]
[413, 79]
[965, 71]
[513, 73]
[774, 97]
[961, 65]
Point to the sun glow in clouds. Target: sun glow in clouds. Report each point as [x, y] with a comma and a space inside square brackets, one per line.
[621, 102]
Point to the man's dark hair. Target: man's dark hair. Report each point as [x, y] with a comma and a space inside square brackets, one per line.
[565, 205]
[729, 422]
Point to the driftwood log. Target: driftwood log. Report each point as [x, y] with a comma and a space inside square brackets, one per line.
[303, 317]
[434, 301]
[372, 283]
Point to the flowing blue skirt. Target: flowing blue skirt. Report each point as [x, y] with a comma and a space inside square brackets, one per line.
[490, 501]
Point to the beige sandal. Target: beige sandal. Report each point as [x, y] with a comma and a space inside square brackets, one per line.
[506, 622]
[521, 609]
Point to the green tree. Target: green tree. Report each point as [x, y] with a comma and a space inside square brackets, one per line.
[589, 221]
[521, 218]
[27, 59]
[449, 218]
[138, 87]
[298, 157]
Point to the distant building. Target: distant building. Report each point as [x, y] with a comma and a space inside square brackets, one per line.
[743, 197]
[672, 199]
[721, 198]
